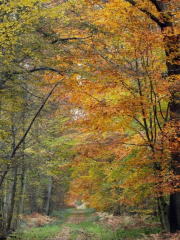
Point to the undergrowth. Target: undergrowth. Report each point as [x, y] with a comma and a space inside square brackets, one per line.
[92, 227]
[37, 233]
[32, 229]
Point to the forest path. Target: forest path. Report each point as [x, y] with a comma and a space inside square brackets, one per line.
[64, 234]
[77, 216]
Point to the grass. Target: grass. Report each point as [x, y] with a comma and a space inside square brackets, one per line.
[96, 231]
[89, 231]
[91, 228]
[38, 233]
[87, 211]
[25, 232]
[136, 233]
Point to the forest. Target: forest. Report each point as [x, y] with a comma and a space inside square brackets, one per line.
[90, 108]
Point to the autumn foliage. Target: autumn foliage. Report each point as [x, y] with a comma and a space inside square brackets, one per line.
[125, 83]
[111, 130]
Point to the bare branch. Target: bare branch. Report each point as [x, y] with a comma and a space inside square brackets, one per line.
[31, 93]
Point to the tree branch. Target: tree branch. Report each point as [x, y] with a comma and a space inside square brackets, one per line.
[50, 35]
[45, 69]
[26, 133]
[68, 39]
[155, 3]
[149, 14]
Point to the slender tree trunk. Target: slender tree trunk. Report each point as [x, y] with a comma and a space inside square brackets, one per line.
[1, 213]
[32, 199]
[49, 196]
[11, 211]
[23, 189]
[15, 171]
[22, 184]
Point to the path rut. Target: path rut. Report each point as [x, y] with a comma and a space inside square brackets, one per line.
[64, 234]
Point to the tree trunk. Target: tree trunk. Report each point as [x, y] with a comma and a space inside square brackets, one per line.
[12, 200]
[174, 208]
[49, 196]
[163, 213]
[173, 65]
[1, 216]
[32, 199]
[174, 212]
[117, 211]
[23, 187]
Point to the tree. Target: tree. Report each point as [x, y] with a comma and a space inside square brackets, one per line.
[24, 59]
[141, 54]
[165, 15]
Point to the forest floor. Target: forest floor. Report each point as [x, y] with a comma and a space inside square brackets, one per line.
[86, 224]
[65, 233]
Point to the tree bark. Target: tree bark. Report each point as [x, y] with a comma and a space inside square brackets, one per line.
[12, 200]
[49, 196]
[23, 189]
[173, 65]
[163, 213]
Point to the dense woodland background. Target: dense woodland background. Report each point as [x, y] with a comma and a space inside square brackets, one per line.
[89, 107]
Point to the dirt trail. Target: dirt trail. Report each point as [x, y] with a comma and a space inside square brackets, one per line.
[64, 234]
